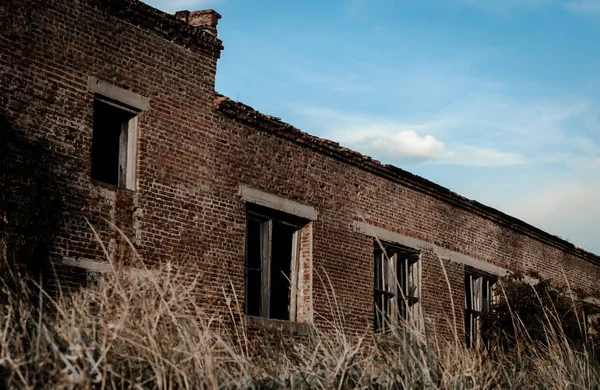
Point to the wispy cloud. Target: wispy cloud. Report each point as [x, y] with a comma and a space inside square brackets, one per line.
[397, 142]
[482, 156]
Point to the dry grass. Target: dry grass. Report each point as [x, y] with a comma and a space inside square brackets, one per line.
[145, 331]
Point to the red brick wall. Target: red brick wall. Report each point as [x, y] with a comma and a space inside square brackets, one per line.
[48, 52]
[192, 158]
[343, 193]
[436, 300]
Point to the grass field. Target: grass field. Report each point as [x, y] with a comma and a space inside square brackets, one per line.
[144, 330]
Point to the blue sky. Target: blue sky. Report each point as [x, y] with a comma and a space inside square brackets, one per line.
[496, 100]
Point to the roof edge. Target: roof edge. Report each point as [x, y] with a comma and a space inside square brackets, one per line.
[160, 23]
[275, 125]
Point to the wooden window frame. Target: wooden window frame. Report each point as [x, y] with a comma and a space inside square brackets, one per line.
[267, 218]
[127, 149]
[479, 298]
[395, 266]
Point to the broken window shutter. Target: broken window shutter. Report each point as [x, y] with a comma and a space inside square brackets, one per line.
[469, 292]
[478, 293]
[294, 274]
[123, 138]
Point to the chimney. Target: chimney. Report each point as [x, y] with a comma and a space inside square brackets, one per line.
[206, 19]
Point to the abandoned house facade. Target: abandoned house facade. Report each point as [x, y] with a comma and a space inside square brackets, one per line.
[125, 94]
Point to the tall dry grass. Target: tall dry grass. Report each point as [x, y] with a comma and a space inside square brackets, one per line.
[144, 330]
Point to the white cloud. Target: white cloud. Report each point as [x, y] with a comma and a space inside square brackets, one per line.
[405, 145]
[408, 146]
[397, 142]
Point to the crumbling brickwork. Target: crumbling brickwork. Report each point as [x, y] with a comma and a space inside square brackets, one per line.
[195, 149]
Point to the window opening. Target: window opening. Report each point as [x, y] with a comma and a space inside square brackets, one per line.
[272, 256]
[114, 142]
[478, 299]
[396, 285]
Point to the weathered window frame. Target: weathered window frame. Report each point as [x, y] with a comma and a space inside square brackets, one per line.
[397, 285]
[125, 174]
[267, 221]
[129, 105]
[479, 298]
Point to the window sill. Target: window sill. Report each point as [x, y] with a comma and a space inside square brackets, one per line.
[280, 326]
[110, 186]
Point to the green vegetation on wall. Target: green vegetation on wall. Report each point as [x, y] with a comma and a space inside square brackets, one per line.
[525, 313]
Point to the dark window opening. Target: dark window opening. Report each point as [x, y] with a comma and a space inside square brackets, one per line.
[396, 287]
[110, 142]
[253, 266]
[478, 299]
[272, 256]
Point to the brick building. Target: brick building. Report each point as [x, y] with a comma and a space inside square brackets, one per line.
[125, 95]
